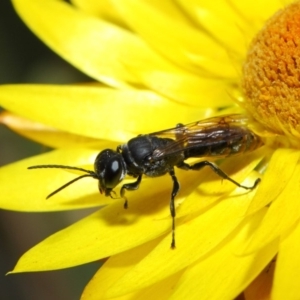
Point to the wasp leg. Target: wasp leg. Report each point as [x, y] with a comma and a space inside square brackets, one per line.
[175, 190]
[218, 171]
[130, 187]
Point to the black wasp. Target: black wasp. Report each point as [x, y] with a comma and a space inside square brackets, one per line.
[157, 153]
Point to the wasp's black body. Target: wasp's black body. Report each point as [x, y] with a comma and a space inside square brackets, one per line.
[158, 153]
[137, 154]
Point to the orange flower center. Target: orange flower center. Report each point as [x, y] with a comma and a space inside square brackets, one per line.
[271, 74]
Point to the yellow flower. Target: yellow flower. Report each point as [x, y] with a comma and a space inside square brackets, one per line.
[156, 64]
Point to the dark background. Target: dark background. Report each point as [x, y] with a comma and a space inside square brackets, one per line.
[25, 59]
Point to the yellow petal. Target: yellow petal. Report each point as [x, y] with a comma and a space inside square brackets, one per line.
[104, 9]
[49, 136]
[283, 162]
[110, 272]
[163, 288]
[93, 46]
[26, 190]
[194, 240]
[261, 287]
[257, 12]
[221, 21]
[109, 53]
[114, 268]
[96, 112]
[191, 48]
[223, 274]
[282, 214]
[215, 93]
[287, 273]
[109, 231]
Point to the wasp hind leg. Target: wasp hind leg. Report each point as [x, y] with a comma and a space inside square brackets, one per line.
[130, 187]
[218, 171]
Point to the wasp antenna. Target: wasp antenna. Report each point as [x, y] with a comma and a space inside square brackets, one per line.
[92, 173]
[68, 183]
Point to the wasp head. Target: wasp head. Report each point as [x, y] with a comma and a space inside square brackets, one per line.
[110, 168]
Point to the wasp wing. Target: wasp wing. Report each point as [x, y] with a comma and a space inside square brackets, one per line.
[201, 136]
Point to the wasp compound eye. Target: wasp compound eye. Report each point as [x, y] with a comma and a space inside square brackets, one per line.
[110, 168]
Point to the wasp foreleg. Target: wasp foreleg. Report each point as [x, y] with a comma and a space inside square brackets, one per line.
[175, 190]
[130, 187]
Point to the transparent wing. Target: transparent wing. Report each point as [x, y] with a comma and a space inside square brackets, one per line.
[203, 133]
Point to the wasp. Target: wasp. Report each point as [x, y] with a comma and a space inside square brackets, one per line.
[158, 153]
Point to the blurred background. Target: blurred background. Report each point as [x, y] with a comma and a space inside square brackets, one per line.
[24, 59]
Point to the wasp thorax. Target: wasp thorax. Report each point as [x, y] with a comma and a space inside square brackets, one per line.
[272, 71]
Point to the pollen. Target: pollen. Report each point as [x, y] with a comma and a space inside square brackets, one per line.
[271, 73]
